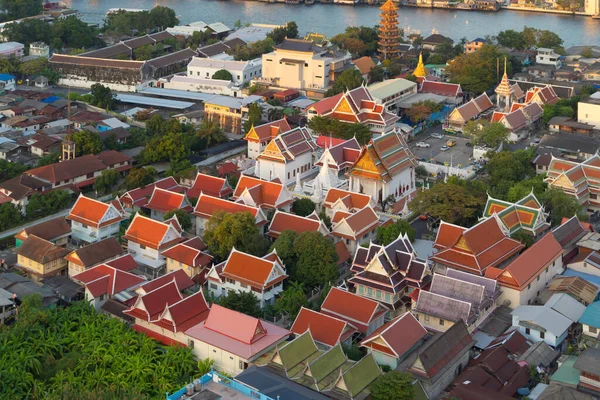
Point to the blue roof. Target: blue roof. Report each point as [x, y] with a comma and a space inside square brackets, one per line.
[6, 77]
[50, 99]
[591, 315]
[588, 277]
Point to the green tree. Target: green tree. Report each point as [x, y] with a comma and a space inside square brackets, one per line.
[211, 133]
[163, 17]
[274, 114]
[418, 113]
[303, 207]
[73, 33]
[482, 132]
[505, 169]
[9, 170]
[451, 202]
[107, 180]
[244, 302]
[511, 39]
[316, 259]
[143, 53]
[28, 31]
[394, 385]
[17, 9]
[205, 366]
[173, 146]
[340, 129]
[358, 40]
[102, 96]
[284, 245]
[279, 34]
[292, 300]
[524, 238]
[139, 177]
[33, 67]
[348, 80]
[9, 216]
[184, 218]
[224, 231]
[48, 159]
[254, 116]
[41, 205]
[223, 75]
[559, 204]
[387, 234]
[376, 74]
[86, 142]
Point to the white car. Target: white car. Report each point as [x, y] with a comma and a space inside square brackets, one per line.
[422, 144]
[437, 135]
[444, 148]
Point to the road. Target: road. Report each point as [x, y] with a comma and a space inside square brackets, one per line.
[14, 231]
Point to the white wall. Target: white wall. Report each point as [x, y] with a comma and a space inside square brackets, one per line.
[224, 361]
[91, 234]
[265, 298]
[587, 330]
[270, 170]
[312, 74]
[589, 113]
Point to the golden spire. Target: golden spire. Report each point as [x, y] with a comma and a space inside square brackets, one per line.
[420, 71]
[388, 6]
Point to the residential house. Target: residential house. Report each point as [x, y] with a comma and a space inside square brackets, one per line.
[283, 221]
[581, 290]
[365, 314]
[324, 329]
[569, 233]
[258, 137]
[561, 124]
[103, 282]
[392, 92]
[8, 82]
[364, 65]
[207, 206]
[526, 215]
[474, 45]
[135, 199]
[548, 57]
[163, 201]
[589, 373]
[190, 257]
[165, 315]
[93, 254]
[40, 259]
[229, 112]
[452, 92]
[356, 228]
[209, 185]
[523, 279]
[93, 220]
[241, 71]
[356, 106]
[119, 134]
[384, 168]
[388, 274]
[475, 249]
[346, 201]
[56, 230]
[147, 238]
[432, 42]
[522, 119]
[551, 322]
[232, 339]
[588, 113]
[440, 359]
[471, 110]
[244, 272]
[267, 195]
[577, 179]
[289, 154]
[590, 320]
[454, 297]
[391, 343]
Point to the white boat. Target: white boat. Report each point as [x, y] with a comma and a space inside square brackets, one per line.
[116, 10]
[347, 2]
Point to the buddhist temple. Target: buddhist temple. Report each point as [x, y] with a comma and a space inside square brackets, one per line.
[389, 33]
[526, 215]
[504, 91]
[420, 71]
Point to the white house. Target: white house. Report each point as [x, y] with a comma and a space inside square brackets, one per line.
[241, 71]
[163, 201]
[259, 136]
[356, 228]
[548, 57]
[263, 194]
[590, 320]
[244, 272]
[147, 238]
[93, 220]
[8, 82]
[207, 206]
[588, 110]
[290, 154]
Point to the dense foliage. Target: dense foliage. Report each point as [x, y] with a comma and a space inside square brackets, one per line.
[303, 207]
[9, 170]
[184, 218]
[530, 38]
[358, 40]
[339, 129]
[279, 34]
[102, 96]
[41, 205]
[86, 142]
[348, 80]
[16, 9]
[76, 352]
[107, 181]
[139, 177]
[292, 300]
[394, 385]
[130, 23]
[485, 133]
[241, 301]
[387, 234]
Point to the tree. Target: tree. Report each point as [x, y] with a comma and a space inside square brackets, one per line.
[316, 259]
[224, 231]
[102, 96]
[482, 132]
[421, 172]
[173, 146]
[48, 159]
[524, 238]
[107, 180]
[9, 170]
[418, 113]
[559, 204]
[303, 207]
[139, 177]
[205, 366]
[292, 300]
[348, 80]
[86, 142]
[143, 53]
[163, 17]
[387, 234]
[394, 385]
[254, 116]
[33, 67]
[28, 31]
[17, 9]
[358, 40]
[274, 114]
[339, 129]
[223, 75]
[511, 39]
[376, 74]
[279, 34]
[244, 302]
[40, 205]
[505, 169]
[211, 133]
[73, 33]
[184, 218]
[9, 216]
[451, 202]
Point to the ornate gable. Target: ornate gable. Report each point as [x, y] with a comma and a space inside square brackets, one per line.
[344, 106]
[366, 165]
[563, 181]
[462, 244]
[252, 135]
[272, 151]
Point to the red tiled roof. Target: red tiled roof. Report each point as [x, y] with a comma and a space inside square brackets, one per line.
[283, 221]
[179, 276]
[184, 314]
[323, 328]
[236, 325]
[103, 279]
[342, 252]
[263, 193]
[91, 212]
[148, 232]
[189, 253]
[210, 185]
[325, 105]
[164, 200]
[400, 335]
[207, 206]
[364, 64]
[441, 88]
[69, 169]
[268, 131]
[327, 141]
[139, 197]
[355, 200]
[250, 269]
[123, 263]
[355, 309]
[360, 222]
[150, 306]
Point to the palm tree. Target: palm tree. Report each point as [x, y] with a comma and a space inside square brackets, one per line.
[274, 114]
[205, 366]
[211, 132]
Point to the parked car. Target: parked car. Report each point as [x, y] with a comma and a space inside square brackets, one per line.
[451, 143]
[437, 135]
[444, 148]
[422, 144]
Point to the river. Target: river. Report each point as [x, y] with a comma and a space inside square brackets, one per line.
[331, 19]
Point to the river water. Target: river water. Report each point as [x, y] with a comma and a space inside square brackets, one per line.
[331, 19]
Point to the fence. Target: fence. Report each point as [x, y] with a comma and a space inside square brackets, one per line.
[436, 169]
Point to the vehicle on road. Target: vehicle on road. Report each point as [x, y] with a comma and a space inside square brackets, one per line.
[422, 144]
[451, 143]
[444, 148]
[437, 135]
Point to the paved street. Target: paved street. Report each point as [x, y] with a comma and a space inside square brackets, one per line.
[460, 154]
[14, 231]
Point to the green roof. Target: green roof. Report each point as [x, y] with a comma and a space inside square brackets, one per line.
[297, 350]
[361, 375]
[567, 373]
[327, 363]
[419, 391]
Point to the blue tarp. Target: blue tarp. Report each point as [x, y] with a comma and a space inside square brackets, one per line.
[50, 99]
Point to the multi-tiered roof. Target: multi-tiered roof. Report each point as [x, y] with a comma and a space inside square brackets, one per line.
[389, 33]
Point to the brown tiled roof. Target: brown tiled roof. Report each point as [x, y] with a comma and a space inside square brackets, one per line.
[364, 64]
[399, 335]
[40, 250]
[69, 169]
[96, 253]
[23, 185]
[48, 230]
[108, 52]
[172, 58]
[575, 286]
[95, 62]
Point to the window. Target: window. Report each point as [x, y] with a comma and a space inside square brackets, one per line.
[388, 298]
[538, 278]
[593, 329]
[238, 76]
[542, 335]
[369, 291]
[416, 316]
[361, 289]
[190, 343]
[213, 286]
[529, 286]
[84, 226]
[214, 351]
[378, 294]
[441, 322]
[180, 263]
[426, 317]
[142, 247]
[527, 331]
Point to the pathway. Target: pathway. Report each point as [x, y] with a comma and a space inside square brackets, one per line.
[15, 230]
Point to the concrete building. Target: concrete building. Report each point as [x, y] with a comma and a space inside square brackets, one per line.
[93, 220]
[15, 49]
[39, 49]
[589, 111]
[229, 112]
[259, 136]
[40, 259]
[392, 91]
[548, 57]
[474, 45]
[241, 71]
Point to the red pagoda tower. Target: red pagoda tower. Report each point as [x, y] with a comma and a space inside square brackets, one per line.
[389, 33]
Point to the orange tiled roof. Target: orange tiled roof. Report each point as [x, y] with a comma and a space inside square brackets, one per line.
[207, 206]
[164, 200]
[283, 221]
[250, 269]
[351, 307]
[148, 232]
[90, 212]
[323, 328]
[210, 185]
[189, 253]
[352, 200]
[264, 193]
